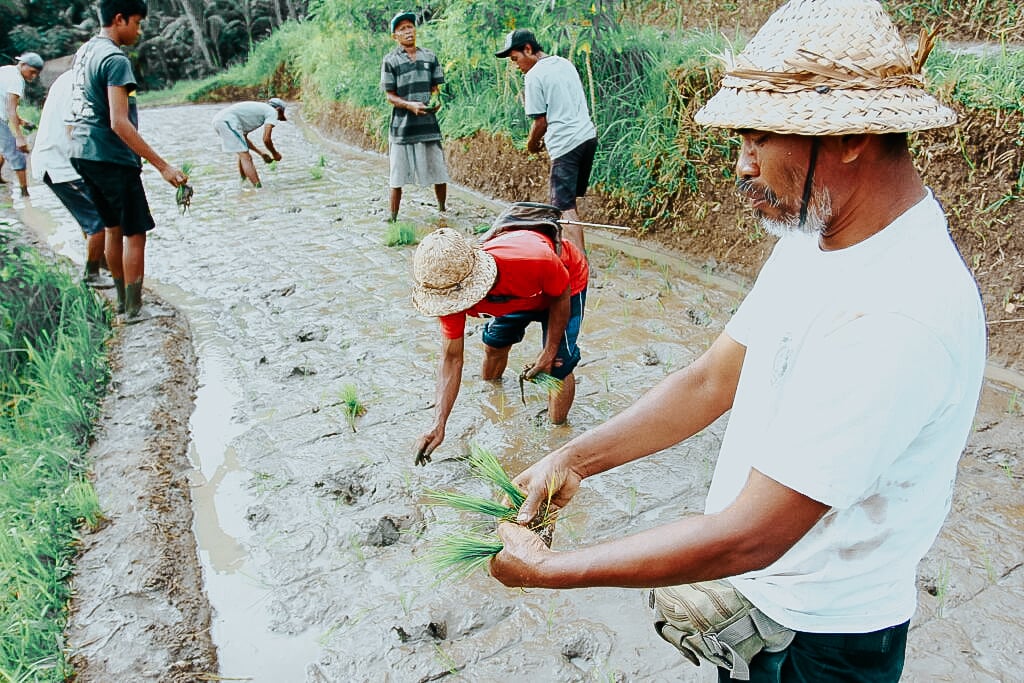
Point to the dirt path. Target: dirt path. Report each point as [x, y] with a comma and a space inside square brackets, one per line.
[308, 526]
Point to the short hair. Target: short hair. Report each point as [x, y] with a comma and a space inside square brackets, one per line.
[534, 45]
[126, 8]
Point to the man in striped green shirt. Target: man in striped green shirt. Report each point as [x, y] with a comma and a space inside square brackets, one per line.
[411, 77]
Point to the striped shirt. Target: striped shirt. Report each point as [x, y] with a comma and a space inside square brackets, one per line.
[411, 79]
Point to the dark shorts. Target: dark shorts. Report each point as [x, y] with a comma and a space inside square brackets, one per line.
[74, 195]
[510, 329]
[875, 657]
[570, 175]
[118, 194]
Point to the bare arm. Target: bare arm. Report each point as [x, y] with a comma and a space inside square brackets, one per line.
[268, 142]
[764, 521]
[14, 121]
[683, 403]
[122, 125]
[449, 379]
[536, 138]
[558, 318]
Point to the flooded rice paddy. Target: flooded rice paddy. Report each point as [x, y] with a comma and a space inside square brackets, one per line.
[310, 523]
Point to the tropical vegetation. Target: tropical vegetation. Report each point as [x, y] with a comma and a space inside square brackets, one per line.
[53, 372]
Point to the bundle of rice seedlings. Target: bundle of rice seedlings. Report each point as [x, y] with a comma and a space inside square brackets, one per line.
[485, 466]
[458, 555]
[468, 503]
[552, 384]
[183, 195]
[353, 407]
[401, 233]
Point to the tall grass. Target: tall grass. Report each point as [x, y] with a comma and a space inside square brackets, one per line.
[53, 371]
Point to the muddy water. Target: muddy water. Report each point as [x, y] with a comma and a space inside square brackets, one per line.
[309, 523]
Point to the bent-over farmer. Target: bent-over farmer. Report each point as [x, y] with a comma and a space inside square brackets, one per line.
[516, 277]
[233, 125]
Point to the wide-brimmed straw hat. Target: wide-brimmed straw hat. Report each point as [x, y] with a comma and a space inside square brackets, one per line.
[827, 67]
[450, 274]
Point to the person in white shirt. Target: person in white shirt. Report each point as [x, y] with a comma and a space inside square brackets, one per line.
[555, 101]
[51, 164]
[233, 124]
[13, 144]
[851, 371]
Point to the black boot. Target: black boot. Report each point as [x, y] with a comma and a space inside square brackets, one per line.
[119, 289]
[94, 278]
[133, 301]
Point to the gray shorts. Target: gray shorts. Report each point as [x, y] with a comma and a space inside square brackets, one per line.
[421, 163]
[9, 148]
[230, 139]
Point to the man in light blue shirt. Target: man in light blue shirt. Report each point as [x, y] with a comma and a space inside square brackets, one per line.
[561, 122]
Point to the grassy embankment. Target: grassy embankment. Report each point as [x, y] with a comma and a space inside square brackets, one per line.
[53, 372]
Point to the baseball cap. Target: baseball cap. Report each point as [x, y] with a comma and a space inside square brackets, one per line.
[515, 40]
[277, 103]
[400, 17]
[32, 59]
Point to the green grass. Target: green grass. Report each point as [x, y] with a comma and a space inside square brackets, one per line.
[352, 405]
[401, 233]
[52, 373]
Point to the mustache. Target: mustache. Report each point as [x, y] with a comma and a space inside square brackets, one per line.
[747, 188]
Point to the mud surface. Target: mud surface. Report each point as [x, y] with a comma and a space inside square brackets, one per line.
[308, 525]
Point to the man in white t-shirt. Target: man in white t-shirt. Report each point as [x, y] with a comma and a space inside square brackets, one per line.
[51, 164]
[234, 124]
[555, 101]
[851, 371]
[13, 144]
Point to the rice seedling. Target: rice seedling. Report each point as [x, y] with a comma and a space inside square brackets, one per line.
[550, 383]
[400, 233]
[351, 404]
[316, 172]
[468, 503]
[485, 466]
[183, 195]
[322, 161]
[459, 554]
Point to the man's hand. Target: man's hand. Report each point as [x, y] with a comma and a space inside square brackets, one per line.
[517, 563]
[21, 143]
[277, 155]
[417, 108]
[266, 157]
[547, 479]
[427, 444]
[173, 175]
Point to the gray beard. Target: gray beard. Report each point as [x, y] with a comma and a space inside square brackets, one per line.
[818, 214]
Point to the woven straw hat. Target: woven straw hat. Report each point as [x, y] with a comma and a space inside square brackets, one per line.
[827, 67]
[451, 274]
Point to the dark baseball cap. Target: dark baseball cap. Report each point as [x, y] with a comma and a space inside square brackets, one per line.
[515, 40]
[400, 17]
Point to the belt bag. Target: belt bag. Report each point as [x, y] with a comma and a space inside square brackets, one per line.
[710, 620]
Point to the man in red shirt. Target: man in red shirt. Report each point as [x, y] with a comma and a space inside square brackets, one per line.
[515, 278]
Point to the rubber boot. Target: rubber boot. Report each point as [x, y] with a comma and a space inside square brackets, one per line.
[119, 289]
[133, 301]
[94, 278]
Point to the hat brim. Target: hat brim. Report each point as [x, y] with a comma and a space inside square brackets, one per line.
[836, 112]
[508, 50]
[402, 17]
[464, 295]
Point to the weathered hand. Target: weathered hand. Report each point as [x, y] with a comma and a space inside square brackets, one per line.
[267, 158]
[548, 478]
[174, 176]
[517, 565]
[427, 444]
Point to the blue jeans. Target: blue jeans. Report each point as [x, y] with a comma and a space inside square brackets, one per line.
[875, 657]
[510, 329]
